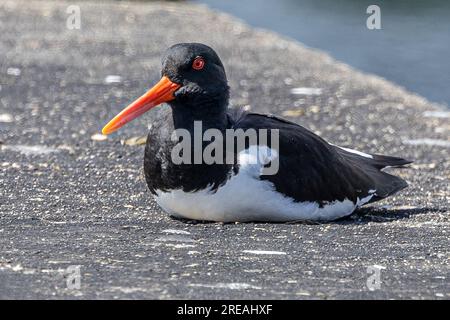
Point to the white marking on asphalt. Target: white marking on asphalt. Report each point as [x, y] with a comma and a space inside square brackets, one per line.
[30, 150]
[232, 286]
[17, 268]
[168, 240]
[307, 91]
[6, 118]
[127, 290]
[180, 246]
[265, 252]
[437, 114]
[13, 72]
[173, 231]
[113, 79]
[175, 238]
[99, 137]
[428, 142]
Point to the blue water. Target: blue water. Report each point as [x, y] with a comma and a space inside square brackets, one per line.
[412, 48]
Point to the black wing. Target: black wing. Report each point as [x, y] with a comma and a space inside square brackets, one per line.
[311, 169]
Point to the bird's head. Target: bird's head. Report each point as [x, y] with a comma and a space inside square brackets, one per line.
[192, 76]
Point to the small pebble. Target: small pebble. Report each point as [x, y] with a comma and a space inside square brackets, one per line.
[99, 137]
[6, 118]
[13, 72]
[307, 91]
[113, 79]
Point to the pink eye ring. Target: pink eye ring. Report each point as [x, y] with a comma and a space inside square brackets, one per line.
[198, 63]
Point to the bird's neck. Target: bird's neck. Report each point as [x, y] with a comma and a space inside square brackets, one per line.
[212, 114]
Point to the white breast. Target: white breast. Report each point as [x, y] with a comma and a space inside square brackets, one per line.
[244, 197]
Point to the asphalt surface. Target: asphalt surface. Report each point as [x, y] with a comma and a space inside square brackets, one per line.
[69, 198]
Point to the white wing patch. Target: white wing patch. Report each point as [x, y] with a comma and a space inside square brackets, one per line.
[244, 197]
[362, 154]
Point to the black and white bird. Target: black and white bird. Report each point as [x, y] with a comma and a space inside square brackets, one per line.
[315, 181]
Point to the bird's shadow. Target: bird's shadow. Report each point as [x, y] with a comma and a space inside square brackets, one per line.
[360, 216]
[379, 214]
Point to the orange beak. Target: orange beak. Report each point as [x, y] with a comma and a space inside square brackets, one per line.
[162, 92]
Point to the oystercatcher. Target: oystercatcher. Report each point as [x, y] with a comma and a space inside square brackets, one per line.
[315, 180]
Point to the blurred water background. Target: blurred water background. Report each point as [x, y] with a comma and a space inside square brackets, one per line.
[412, 48]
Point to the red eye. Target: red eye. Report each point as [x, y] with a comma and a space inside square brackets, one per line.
[198, 63]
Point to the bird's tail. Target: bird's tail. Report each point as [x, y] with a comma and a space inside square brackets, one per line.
[371, 165]
[386, 184]
[380, 161]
